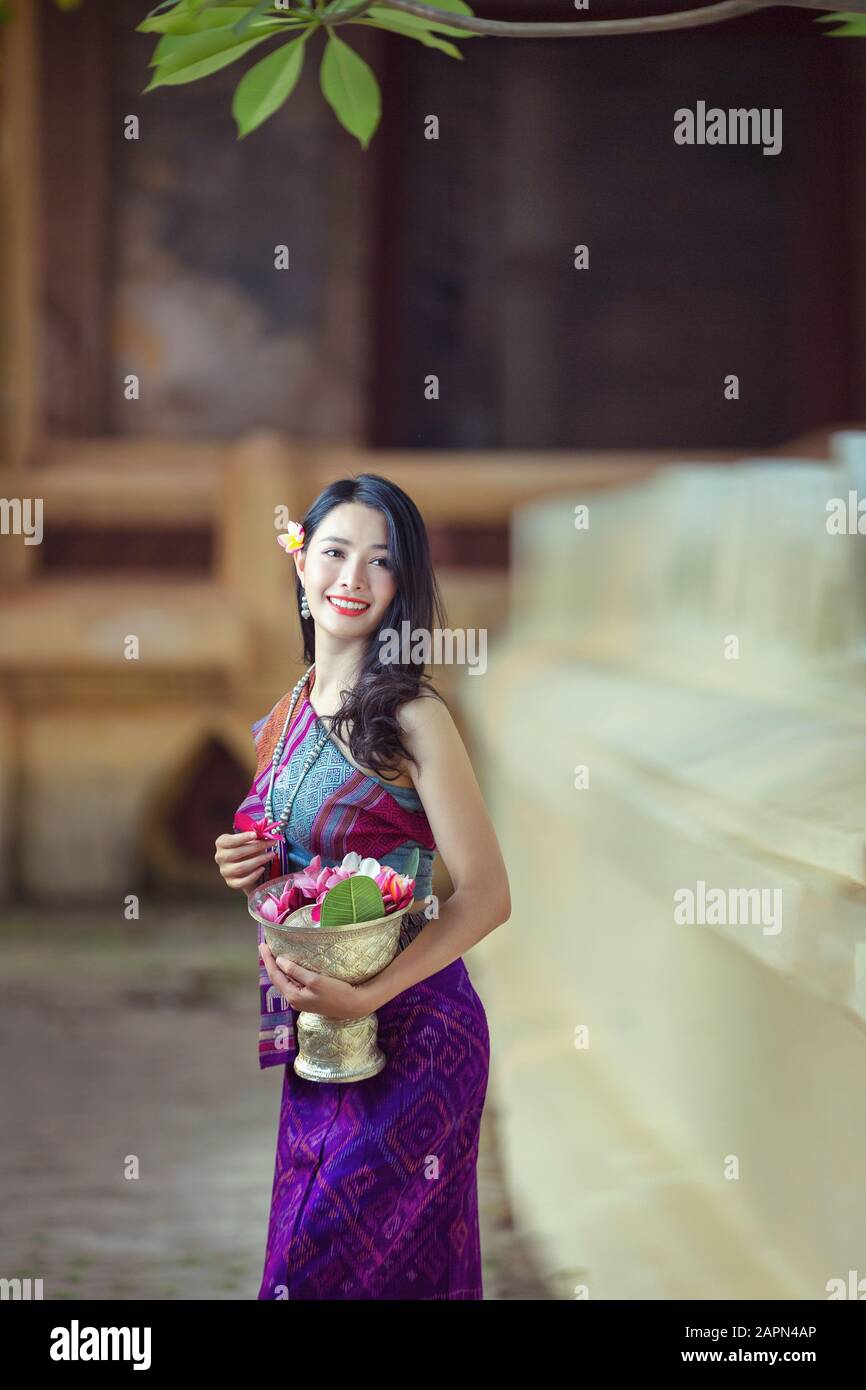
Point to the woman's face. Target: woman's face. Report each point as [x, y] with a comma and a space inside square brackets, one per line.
[347, 559]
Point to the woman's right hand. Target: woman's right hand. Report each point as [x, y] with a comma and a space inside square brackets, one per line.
[241, 858]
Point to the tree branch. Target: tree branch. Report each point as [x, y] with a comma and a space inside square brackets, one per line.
[686, 19]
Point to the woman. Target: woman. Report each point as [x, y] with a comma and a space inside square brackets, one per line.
[375, 1185]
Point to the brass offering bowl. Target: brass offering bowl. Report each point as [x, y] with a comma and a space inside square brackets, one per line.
[332, 1049]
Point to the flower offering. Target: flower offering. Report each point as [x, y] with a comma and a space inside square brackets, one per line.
[316, 883]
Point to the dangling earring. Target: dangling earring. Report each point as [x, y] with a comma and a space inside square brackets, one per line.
[305, 607]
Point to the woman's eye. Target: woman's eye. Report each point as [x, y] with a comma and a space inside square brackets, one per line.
[380, 559]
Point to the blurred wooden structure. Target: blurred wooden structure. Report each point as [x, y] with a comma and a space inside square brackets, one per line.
[136, 755]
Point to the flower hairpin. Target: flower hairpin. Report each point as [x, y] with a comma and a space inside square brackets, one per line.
[293, 539]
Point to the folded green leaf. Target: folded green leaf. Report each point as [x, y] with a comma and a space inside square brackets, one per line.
[351, 89]
[178, 50]
[412, 21]
[256, 12]
[422, 35]
[853, 25]
[185, 58]
[183, 17]
[184, 22]
[173, 5]
[455, 6]
[263, 89]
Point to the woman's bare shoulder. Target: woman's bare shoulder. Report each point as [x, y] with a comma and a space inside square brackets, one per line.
[426, 714]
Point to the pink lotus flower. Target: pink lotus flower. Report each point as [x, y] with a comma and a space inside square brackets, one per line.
[312, 883]
[277, 909]
[308, 877]
[352, 864]
[397, 890]
[265, 829]
[316, 878]
[333, 877]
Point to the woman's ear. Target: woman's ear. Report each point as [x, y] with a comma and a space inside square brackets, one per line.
[299, 558]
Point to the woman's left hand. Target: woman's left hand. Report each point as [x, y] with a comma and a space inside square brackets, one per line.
[313, 991]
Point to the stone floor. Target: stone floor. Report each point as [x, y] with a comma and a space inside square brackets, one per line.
[102, 1069]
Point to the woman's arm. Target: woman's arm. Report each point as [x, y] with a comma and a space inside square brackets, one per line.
[465, 838]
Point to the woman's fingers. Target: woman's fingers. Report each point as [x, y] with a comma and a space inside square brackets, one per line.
[226, 844]
[241, 858]
[246, 870]
[265, 857]
[243, 853]
[242, 880]
[294, 971]
[247, 881]
[276, 976]
[239, 837]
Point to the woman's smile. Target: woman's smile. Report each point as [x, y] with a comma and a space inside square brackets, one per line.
[350, 608]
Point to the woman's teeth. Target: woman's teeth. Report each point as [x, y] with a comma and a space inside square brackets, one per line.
[347, 605]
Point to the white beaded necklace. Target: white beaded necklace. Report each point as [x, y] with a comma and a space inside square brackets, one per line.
[278, 753]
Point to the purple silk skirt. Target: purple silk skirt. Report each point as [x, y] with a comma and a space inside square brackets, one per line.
[375, 1190]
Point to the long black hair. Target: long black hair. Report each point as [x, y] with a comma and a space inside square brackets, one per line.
[371, 705]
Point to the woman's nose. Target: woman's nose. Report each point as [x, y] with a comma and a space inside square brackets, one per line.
[353, 574]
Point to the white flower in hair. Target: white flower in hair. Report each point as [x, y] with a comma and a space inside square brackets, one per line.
[293, 539]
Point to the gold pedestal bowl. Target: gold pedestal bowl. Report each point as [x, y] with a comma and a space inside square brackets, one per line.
[332, 1049]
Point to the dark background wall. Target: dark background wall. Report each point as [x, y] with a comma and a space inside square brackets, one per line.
[454, 256]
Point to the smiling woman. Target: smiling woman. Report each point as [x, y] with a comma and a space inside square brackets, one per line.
[375, 1190]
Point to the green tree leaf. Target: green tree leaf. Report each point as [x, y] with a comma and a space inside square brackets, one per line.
[185, 58]
[355, 899]
[852, 25]
[455, 6]
[181, 20]
[186, 18]
[422, 35]
[412, 21]
[351, 89]
[256, 12]
[263, 89]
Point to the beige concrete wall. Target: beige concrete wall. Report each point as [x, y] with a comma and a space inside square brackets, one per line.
[710, 1049]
